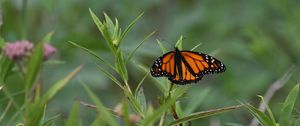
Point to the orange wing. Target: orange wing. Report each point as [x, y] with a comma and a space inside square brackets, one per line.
[202, 64]
[189, 66]
[164, 65]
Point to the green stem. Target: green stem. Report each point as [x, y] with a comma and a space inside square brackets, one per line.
[173, 107]
[23, 19]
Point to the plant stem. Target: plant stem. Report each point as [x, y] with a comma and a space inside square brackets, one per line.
[23, 19]
[173, 107]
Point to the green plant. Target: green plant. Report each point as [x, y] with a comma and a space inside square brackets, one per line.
[286, 118]
[31, 110]
[113, 35]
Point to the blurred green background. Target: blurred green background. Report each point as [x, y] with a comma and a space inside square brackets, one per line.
[257, 40]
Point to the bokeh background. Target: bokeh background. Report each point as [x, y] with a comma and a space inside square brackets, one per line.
[257, 40]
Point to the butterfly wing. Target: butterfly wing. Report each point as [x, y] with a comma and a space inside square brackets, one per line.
[185, 67]
[202, 64]
[164, 65]
[186, 75]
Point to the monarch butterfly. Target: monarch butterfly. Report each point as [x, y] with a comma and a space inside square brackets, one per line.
[184, 67]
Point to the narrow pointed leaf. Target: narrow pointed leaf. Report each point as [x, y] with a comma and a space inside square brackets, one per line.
[161, 46]
[48, 37]
[2, 42]
[268, 109]
[73, 119]
[34, 66]
[51, 121]
[203, 114]
[93, 54]
[52, 91]
[150, 119]
[288, 106]
[260, 116]
[133, 52]
[179, 43]
[195, 47]
[142, 99]
[103, 112]
[110, 76]
[129, 27]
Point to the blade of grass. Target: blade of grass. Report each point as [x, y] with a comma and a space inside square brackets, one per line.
[5, 67]
[34, 66]
[73, 116]
[140, 84]
[268, 109]
[110, 76]
[195, 47]
[153, 117]
[140, 44]
[93, 54]
[122, 66]
[179, 43]
[48, 37]
[52, 91]
[103, 28]
[203, 114]
[5, 110]
[136, 106]
[161, 46]
[142, 100]
[288, 106]
[195, 101]
[51, 121]
[105, 114]
[263, 119]
[2, 42]
[125, 111]
[129, 27]
[161, 86]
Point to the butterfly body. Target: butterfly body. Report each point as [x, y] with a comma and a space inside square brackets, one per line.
[184, 67]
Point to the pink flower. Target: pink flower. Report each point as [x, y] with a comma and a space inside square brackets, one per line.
[18, 49]
[49, 50]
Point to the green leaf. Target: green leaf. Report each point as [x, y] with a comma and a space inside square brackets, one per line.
[140, 84]
[196, 100]
[110, 76]
[5, 67]
[129, 27]
[121, 66]
[160, 85]
[288, 105]
[203, 114]
[126, 113]
[142, 100]
[48, 37]
[263, 119]
[195, 47]
[52, 91]
[103, 112]
[268, 109]
[34, 66]
[73, 119]
[161, 46]
[93, 54]
[136, 106]
[233, 124]
[13, 119]
[179, 43]
[2, 42]
[50, 121]
[103, 28]
[153, 117]
[35, 113]
[144, 40]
